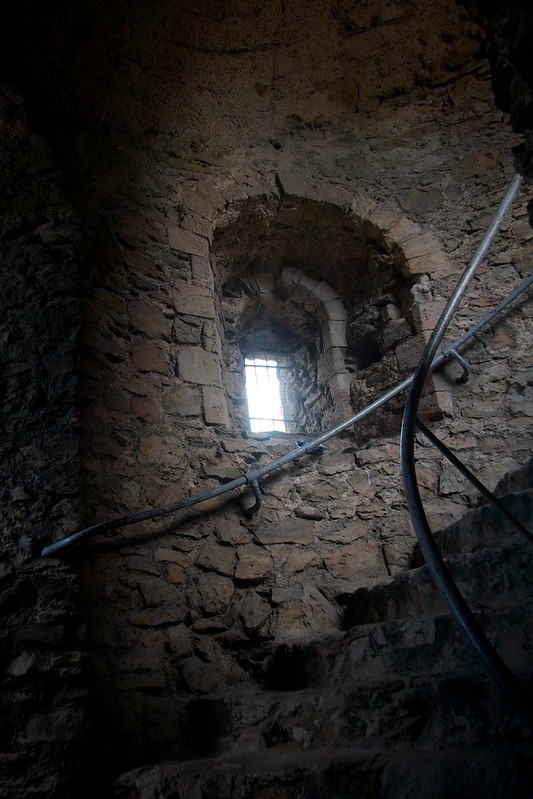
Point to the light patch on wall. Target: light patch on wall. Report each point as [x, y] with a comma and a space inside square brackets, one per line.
[263, 392]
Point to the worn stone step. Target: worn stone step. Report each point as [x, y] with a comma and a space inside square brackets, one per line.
[410, 680]
[486, 577]
[429, 645]
[499, 773]
[391, 713]
[482, 527]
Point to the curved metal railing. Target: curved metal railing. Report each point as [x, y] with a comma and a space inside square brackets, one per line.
[485, 651]
[252, 477]
[429, 362]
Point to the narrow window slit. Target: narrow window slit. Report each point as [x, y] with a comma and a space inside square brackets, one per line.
[263, 392]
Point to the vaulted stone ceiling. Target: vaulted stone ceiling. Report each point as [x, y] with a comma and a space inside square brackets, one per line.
[218, 76]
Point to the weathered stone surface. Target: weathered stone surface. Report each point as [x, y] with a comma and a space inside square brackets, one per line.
[179, 641]
[200, 677]
[354, 560]
[200, 367]
[145, 409]
[186, 241]
[184, 401]
[290, 531]
[191, 300]
[158, 616]
[213, 593]
[253, 563]
[335, 463]
[275, 184]
[216, 558]
[215, 406]
[149, 357]
[149, 319]
[309, 512]
[254, 610]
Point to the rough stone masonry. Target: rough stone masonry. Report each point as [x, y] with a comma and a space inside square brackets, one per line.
[172, 177]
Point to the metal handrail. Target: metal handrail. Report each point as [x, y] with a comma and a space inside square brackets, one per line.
[442, 577]
[252, 477]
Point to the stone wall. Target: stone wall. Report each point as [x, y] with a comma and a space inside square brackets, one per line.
[368, 136]
[196, 608]
[42, 705]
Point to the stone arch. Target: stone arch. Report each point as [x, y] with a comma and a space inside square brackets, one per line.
[379, 279]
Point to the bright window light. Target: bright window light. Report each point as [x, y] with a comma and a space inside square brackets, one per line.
[265, 409]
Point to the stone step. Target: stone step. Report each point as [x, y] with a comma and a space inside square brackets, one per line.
[482, 527]
[486, 577]
[499, 773]
[391, 713]
[431, 645]
[411, 680]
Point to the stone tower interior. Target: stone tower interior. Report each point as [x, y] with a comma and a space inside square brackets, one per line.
[184, 184]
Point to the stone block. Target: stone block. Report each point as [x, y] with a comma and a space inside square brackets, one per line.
[421, 201]
[157, 449]
[159, 616]
[201, 270]
[362, 558]
[408, 353]
[215, 406]
[421, 244]
[254, 611]
[191, 300]
[362, 205]
[299, 561]
[388, 453]
[330, 363]
[217, 558]
[309, 512]
[168, 555]
[149, 357]
[345, 533]
[188, 330]
[340, 386]
[253, 564]
[184, 401]
[293, 183]
[434, 264]
[145, 409]
[435, 405]
[175, 574]
[393, 334]
[335, 334]
[265, 283]
[383, 218]
[179, 641]
[335, 310]
[199, 367]
[231, 531]
[325, 292]
[200, 677]
[291, 531]
[336, 463]
[198, 205]
[149, 319]
[214, 593]
[187, 241]
[403, 230]
[426, 315]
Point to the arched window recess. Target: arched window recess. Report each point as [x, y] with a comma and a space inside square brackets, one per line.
[284, 338]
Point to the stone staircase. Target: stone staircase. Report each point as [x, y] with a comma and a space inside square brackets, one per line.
[393, 706]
